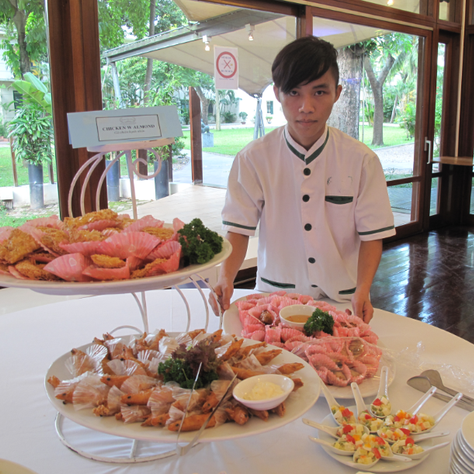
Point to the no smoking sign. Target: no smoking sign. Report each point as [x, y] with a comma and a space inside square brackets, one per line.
[226, 68]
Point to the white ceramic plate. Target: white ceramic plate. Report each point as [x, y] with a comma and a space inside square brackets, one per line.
[116, 287]
[368, 387]
[296, 405]
[9, 467]
[467, 430]
[381, 466]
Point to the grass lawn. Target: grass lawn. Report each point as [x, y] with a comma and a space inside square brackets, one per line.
[6, 170]
[226, 142]
[231, 141]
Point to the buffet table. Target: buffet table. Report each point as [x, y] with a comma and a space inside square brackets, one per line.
[31, 339]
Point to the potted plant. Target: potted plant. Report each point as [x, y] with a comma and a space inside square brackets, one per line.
[243, 116]
[269, 119]
[32, 133]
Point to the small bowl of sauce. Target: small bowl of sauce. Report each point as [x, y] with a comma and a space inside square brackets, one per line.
[296, 315]
[263, 392]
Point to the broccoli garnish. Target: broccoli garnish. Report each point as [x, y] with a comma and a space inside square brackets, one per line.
[199, 244]
[319, 321]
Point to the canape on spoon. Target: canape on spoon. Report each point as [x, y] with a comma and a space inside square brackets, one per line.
[410, 449]
[339, 413]
[381, 406]
[363, 414]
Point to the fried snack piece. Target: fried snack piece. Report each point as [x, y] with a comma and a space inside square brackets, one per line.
[280, 410]
[140, 398]
[104, 214]
[298, 384]
[51, 238]
[233, 349]
[143, 272]
[102, 410]
[265, 357]
[262, 414]
[238, 413]
[210, 403]
[85, 236]
[192, 423]
[163, 233]
[245, 351]
[286, 369]
[243, 374]
[105, 261]
[54, 381]
[159, 420]
[17, 247]
[114, 380]
[34, 271]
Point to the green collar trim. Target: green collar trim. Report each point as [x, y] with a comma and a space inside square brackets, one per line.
[310, 158]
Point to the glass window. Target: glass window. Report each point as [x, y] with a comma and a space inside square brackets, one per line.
[447, 10]
[270, 107]
[412, 6]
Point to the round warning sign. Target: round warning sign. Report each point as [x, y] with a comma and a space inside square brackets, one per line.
[226, 64]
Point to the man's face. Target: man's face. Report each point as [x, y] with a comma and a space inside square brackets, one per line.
[307, 108]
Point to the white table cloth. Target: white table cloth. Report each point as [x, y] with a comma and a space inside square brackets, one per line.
[31, 339]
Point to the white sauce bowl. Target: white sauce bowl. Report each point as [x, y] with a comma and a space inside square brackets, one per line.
[245, 386]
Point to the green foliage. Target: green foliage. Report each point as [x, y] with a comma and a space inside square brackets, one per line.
[31, 128]
[407, 119]
[34, 91]
[183, 365]
[243, 115]
[31, 14]
[32, 132]
[228, 117]
[199, 244]
[319, 321]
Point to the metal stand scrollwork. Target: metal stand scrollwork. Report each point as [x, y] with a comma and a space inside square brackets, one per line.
[125, 149]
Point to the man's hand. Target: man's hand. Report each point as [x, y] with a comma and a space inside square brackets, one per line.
[224, 291]
[224, 287]
[362, 307]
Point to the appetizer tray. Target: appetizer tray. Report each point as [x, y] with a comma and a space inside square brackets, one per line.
[368, 388]
[296, 405]
[381, 466]
[64, 288]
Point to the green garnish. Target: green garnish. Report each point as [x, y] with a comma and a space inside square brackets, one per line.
[182, 367]
[319, 321]
[199, 244]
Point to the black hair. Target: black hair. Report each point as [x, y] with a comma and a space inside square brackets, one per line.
[302, 61]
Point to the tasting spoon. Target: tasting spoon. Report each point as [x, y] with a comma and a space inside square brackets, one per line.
[330, 430]
[381, 393]
[425, 451]
[329, 446]
[364, 416]
[331, 401]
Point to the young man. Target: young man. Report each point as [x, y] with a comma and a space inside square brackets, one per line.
[319, 196]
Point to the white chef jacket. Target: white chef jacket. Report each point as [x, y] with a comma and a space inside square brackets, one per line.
[314, 208]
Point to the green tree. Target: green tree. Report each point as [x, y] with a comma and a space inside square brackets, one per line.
[25, 34]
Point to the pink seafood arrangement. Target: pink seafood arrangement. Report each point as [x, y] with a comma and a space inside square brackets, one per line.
[349, 354]
[98, 246]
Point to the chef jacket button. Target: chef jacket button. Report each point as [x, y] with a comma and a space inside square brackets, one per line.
[307, 171]
[308, 227]
[311, 260]
[306, 198]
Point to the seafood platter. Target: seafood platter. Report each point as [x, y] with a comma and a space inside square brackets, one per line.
[133, 386]
[349, 351]
[103, 253]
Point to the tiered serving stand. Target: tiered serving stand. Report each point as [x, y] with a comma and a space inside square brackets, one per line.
[137, 288]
